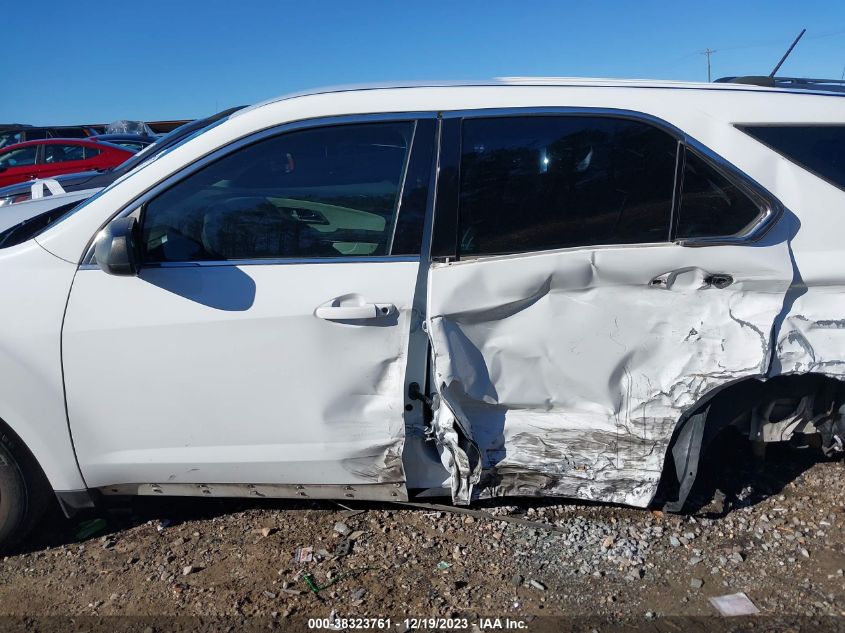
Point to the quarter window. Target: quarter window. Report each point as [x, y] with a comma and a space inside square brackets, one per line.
[546, 182]
[817, 148]
[322, 192]
[711, 205]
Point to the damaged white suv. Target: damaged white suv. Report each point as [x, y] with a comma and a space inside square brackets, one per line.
[519, 287]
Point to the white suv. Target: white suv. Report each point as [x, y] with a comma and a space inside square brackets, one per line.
[519, 287]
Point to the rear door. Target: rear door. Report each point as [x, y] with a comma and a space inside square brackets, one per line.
[264, 340]
[571, 317]
[61, 158]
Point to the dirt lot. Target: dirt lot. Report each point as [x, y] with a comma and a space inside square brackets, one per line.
[778, 538]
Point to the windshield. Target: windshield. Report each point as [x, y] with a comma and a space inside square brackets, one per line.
[177, 137]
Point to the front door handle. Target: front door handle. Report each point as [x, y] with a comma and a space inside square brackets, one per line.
[353, 308]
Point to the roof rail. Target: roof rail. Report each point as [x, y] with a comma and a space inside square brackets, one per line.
[796, 83]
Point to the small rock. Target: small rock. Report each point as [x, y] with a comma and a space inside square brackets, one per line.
[190, 569]
[696, 583]
[537, 585]
[359, 594]
[674, 541]
[737, 557]
[517, 580]
[267, 531]
[341, 528]
[269, 594]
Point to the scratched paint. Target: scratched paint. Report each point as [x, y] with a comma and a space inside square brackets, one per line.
[568, 371]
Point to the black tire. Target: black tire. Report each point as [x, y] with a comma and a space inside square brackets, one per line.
[24, 491]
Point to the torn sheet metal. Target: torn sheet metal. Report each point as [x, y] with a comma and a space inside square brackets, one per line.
[571, 369]
[812, 336]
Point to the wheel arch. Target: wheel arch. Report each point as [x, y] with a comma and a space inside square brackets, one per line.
[59, 469]
[727, 406]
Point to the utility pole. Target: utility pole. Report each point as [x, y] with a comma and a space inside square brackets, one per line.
[708, 53]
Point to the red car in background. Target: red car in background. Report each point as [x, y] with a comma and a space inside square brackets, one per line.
[50, 157]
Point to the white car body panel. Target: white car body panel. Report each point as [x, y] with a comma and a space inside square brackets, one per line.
[31, 392]
[488, 319]
[224, 374]
[570, 371]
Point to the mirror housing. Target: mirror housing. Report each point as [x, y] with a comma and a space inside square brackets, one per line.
[116, 248]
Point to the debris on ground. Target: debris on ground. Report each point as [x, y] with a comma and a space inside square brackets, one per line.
[87, 529]
[610, 561]
[734, 604]
[304, 555]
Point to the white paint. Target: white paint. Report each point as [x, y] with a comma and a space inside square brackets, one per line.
[571, 370]
[34, 287]
[225, 374]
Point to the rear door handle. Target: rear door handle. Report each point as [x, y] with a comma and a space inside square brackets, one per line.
[692, 278]
[353, 308]
[719, 280]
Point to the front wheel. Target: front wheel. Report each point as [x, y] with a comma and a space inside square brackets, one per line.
[23, 492]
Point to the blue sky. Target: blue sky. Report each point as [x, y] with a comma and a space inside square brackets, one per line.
[97, 61]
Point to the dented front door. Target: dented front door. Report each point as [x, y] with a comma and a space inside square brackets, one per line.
[564, 371]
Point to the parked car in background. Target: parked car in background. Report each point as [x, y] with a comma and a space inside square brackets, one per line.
[92, 179]
[13, 135]
[134, 142]
[531, 287]
[51, 157]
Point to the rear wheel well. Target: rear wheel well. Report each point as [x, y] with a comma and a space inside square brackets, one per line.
[762, 411]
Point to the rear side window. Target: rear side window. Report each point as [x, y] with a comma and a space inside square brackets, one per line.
[55, 153]
[817, 148]
[545, 182]
[711, 204]
[322, 192]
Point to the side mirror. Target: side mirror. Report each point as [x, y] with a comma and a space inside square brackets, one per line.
[116, 248]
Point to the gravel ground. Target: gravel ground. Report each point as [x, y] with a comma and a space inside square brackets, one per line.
[778, 537]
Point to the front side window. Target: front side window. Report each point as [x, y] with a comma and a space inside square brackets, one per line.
[321, 192]
[544, 182]
[817, 148]
[91, 152]
[21, 157]
[711, 204]
[56, 153]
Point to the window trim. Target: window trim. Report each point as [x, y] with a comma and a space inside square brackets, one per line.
[770, 207]
[185, 171]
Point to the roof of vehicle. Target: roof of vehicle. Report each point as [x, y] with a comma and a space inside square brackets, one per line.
[63, 141]
[122, 137]
[574, 82]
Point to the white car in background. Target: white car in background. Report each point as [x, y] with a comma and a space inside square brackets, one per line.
[13, 214]
[520, 287]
